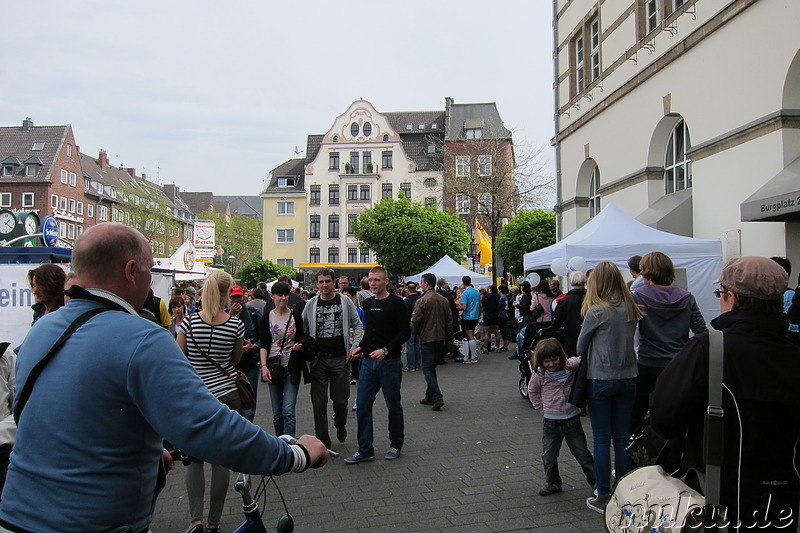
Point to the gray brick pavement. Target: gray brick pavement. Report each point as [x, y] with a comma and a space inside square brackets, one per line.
[473, 467]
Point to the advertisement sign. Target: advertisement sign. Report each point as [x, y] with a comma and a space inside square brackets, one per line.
[50, 231]
[16, 300]
[204, 234]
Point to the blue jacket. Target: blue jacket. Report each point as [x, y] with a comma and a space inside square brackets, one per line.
[89, 442]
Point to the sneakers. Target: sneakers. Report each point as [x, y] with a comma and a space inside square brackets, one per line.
[425, 401]
[598, 503]
[473, 361]
[341, 433]
[437, 405]
[550, 489]
[391, 455]
[358, 458]
[354, 407]
[461, 360]
[353, 382]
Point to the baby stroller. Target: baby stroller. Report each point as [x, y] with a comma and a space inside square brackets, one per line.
[524, 351]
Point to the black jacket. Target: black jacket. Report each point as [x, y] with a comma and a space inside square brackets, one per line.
[297, 361]
[568, 316]
[761, 390]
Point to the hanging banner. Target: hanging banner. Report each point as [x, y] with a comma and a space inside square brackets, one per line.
[204, 234]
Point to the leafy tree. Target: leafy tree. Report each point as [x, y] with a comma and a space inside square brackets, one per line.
[259, 270]
[408, 237]
[526, 232]
[147, 209]
[240, 237]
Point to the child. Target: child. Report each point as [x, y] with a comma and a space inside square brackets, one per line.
[548, 389]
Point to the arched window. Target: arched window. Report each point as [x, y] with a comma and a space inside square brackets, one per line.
[367, 129]
[594, 192]
[386, 137]
[677, 167]
[354, 128]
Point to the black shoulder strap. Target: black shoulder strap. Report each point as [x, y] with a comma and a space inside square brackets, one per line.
[3, 347]
[25, 393]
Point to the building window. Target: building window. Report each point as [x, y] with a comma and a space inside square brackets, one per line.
[80, 208]
[8, 170]
[354, 129]
[313, 255]
[63, 203]
[677, 167]
[286, 262]
[38, 147]
[675, 4]
[69, 150]
[365, 255]
[652, 14]
[352, 255]
[5, 199]
[484, 165]
[102, 212]
[431, 149]
[333, 161]
[429, 182]
[405, 188]
[64, 176]
[409, 126]
[367, 129]
[386, 190]
[333, 254]
[386, 138]
[90, 210]
[336, 138]
[314, 227]
[594, 192]
[462, 166]
[31, 170]
[316, 195]
[485, 203]
[286, 208]
[386, 159]
[71, 231]
[366, 158]
[79, 230]
[431, 201]
[366, 192]
[474, 133]
[333, 226]
[284, 183]
[351, 217]
[286, 236]
[333, 194]
[73, 179]
[62, 230]
[594, 53]
[352, 192]
[72, 205]
[354, 161]
[54, 201]
[578, 63]
[462, 204]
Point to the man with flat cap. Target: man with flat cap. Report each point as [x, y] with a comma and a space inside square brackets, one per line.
[761, 398]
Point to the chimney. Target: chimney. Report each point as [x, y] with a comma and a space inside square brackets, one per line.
[102, 159]
[448, 103]
[171, 191]
[131, 171]
[26, 124]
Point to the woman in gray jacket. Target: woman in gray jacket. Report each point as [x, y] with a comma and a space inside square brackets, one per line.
[606, 341]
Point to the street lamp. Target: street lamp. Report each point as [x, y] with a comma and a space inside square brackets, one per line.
[473, 252]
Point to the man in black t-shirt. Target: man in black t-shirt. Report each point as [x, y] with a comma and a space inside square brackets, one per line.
[381, 367]
[328, 318]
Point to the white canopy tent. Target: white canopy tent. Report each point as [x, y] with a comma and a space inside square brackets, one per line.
[447, 268]
[614, 236]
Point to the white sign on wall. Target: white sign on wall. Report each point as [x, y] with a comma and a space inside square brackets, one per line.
[16, 300]
[204, 233]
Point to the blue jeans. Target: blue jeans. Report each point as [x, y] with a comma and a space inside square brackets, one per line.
[283, 395]
[610, 408]
[553, 432]
[428, 352]
[254, 376]
[386, 375]
[412, 352]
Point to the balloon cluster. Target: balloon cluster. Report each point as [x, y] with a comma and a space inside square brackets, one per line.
[562, 268]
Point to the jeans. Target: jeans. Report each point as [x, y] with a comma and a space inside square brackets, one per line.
[283, 395]
[645, 384]
[428, 353]
[610, 408]
[553, 432]
[333, 371]
[386, 375]
[253, 375]
[412, 352]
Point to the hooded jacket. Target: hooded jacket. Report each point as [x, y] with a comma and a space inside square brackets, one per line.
[669, 314]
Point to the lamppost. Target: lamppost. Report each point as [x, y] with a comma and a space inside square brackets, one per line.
[473, 252]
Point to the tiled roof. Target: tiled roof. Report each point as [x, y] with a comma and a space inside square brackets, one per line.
[291, 168]
[14, 142]
[197, 201]
[400, 121]
[244, 205]
[312, 147]
[416, 148]
[484, 116]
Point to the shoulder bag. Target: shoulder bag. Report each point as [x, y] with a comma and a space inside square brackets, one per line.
[242, 383]
[537, 310]
[276, 370]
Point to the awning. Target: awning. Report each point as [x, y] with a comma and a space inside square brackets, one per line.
[671, 213]
[778, 200]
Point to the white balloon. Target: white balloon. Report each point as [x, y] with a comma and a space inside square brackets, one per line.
[533, 278]
[559, 267]
[577, 263]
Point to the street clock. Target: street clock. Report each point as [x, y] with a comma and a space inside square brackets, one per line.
[8, 223]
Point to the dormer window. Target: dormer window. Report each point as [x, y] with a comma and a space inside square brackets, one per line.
[474, 133]
[32, 165]
[336, 138]
[10, 165]
[386, 138]
[434, 125]
[286, 182]
[422, 126]
[409, 126]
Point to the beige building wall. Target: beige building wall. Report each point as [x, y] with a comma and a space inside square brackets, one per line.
[279, 252]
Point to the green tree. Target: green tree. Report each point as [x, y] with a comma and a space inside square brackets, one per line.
[239, 236]
[526, 232]
[407, 237]
[260, 270]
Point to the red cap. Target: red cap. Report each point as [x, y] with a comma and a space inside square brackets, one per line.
[237, 290]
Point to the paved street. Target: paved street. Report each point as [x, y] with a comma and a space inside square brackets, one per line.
[473, 467]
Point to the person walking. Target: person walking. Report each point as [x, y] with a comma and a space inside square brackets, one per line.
[433, 325]
[568, 313]
[606, 341]
[412, 344]
[328, 318]
[381, 367]
[471, 306]
[491, 319]
[251, 344]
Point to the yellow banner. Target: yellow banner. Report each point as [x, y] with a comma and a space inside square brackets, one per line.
[484, 244]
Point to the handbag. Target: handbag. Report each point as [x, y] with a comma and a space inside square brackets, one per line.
[648, 499]
[246, 396]
[538, 310]
[274, 363]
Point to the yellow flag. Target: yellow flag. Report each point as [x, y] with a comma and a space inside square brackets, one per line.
[484, 244]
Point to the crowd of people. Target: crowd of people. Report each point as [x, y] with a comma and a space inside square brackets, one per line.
[636, 352]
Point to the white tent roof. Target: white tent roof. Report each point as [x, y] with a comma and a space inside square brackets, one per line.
[447, 268]
[615, 236]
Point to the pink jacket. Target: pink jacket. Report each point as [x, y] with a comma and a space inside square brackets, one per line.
[551, 396]
[547, 305]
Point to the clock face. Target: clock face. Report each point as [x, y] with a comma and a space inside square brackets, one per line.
[31, 224]
[7, 223]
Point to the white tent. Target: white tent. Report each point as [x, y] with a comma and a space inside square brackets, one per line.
[614, 236]
[447, 268]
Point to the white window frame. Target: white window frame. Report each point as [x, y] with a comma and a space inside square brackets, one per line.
[69, 150]
[62, 204]
[580, 53]
[62, 230]
[31, 171]
[89, 210]
[37, 147]
[71, 232]
[28, 199]
[286, 208]
[676, 161]
[284, 236]
[5, 199]
[485, 203]
[54, 201]
[64, 176]
[652, 15]
[594, 52]
[80, 208]
[594, 192]
[462, 166]
[102, 212]
[484, 165]
[462, 204]
[72, 205]
[286, 182]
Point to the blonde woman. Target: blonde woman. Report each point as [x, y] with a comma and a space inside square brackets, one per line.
[212, 334]
[610, 317]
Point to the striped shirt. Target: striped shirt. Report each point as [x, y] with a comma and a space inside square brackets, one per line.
[217, 342]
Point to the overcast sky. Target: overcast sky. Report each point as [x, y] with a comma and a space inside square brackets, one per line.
[212, 95]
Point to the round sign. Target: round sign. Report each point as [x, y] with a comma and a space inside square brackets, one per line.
[50, 231]
[188, 259]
